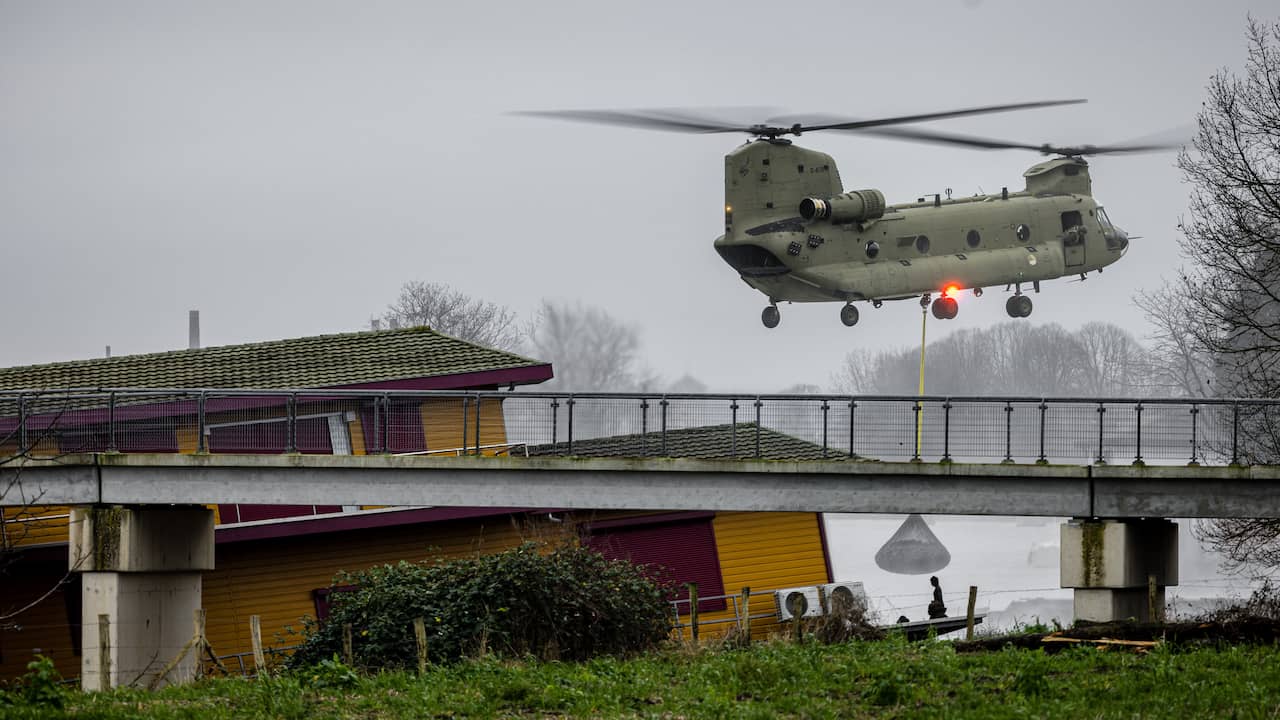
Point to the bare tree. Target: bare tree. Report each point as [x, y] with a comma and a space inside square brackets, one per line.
[1177, 364]
[454, 313]
[1229, 311]
[590, 350]
[1232, 240]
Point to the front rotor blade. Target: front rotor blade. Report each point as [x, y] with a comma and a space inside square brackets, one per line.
[941, 138]
[669, 120]
[859, 124]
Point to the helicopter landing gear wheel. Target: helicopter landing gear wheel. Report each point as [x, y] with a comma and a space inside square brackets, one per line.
[945, 308]
[849, 315]
[1018, 306]
[771, 317]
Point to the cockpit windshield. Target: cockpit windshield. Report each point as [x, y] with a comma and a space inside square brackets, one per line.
[1104, 221]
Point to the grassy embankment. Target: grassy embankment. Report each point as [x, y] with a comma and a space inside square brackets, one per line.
[887, 679]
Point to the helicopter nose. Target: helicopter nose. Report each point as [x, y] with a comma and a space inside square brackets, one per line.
[1117, 239]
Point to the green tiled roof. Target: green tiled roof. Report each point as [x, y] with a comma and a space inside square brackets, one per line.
[309, 362]
[710, 442]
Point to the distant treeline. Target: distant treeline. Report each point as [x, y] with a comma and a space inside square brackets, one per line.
[1013, 358]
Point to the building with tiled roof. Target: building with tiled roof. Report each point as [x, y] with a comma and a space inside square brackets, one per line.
[278, 562]
[416, 358]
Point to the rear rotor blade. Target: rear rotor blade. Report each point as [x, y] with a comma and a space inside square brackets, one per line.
[942, 138]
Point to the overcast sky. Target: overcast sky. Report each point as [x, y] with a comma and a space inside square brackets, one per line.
[285, 167]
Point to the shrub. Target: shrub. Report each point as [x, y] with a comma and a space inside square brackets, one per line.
[41, 686]
[569, 604]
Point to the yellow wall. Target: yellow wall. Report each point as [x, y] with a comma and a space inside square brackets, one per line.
[275, 578]
[766, 551]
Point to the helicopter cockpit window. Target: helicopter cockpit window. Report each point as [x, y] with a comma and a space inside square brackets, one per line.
[1071, 170]
[922, 244]
[973, 239]
[873, 249]
[1104, 221]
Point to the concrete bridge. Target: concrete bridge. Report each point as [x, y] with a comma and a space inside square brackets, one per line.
[141, 534]
[1086, 491]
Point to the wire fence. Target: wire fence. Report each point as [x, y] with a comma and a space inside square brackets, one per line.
[774, 427]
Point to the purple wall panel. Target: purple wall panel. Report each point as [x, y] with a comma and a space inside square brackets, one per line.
[680, 552]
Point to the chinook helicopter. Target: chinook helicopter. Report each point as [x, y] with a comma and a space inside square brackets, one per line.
[794, 233]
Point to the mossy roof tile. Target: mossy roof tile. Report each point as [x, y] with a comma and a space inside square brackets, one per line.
[357, 358]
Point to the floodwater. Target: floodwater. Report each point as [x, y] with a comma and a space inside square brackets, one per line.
[1012, 561]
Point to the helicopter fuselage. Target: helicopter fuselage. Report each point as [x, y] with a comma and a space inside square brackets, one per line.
[793, 233]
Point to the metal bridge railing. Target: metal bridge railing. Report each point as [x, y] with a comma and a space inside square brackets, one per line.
[768, 427]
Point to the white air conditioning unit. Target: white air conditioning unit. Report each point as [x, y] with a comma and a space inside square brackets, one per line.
[798, 602]
[844, 594]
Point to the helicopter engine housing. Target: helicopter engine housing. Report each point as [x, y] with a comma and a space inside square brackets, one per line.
[854, 206]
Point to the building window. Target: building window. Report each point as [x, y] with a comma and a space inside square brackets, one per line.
[678, 549]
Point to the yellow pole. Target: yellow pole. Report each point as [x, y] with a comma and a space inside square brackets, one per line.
[924, 319]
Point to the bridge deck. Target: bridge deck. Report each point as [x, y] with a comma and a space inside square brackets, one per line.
[649, 483]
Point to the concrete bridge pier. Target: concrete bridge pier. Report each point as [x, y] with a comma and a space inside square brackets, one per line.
[141, 568]
[1109, 562]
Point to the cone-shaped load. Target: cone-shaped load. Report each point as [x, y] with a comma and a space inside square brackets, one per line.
[913, 550]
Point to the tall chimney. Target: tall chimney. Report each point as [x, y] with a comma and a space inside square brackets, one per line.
[193, 330]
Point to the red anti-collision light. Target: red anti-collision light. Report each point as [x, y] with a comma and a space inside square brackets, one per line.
[951, 291]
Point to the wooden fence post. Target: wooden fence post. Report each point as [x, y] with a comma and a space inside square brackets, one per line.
[1153, 612]
[746, 615]
[420, 635]
[255, 637]
[197, 632]
[104, 652]
[973, 600]
[348, 656]
[693, 610]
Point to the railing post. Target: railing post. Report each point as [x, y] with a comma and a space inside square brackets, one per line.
[946, 430]
[466, 417]
[291, 437]
[555, 417]
[1195, 412]
[1137, 460]
[759, 405]
[111, 422]
[1235, 433]
[1044, 408]
[916, 440]
[662, 404]
[644, 426]
[385, 440]
[1008, 433]
[202, 423]
[23, 448]
[569, 407]
[853, 407]
[825, 410]
[733, 428]
[477, 424]
[1101, 410]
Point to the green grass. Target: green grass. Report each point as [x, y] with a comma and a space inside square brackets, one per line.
[870, 679]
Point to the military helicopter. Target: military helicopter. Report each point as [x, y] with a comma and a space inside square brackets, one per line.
[794, 233]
